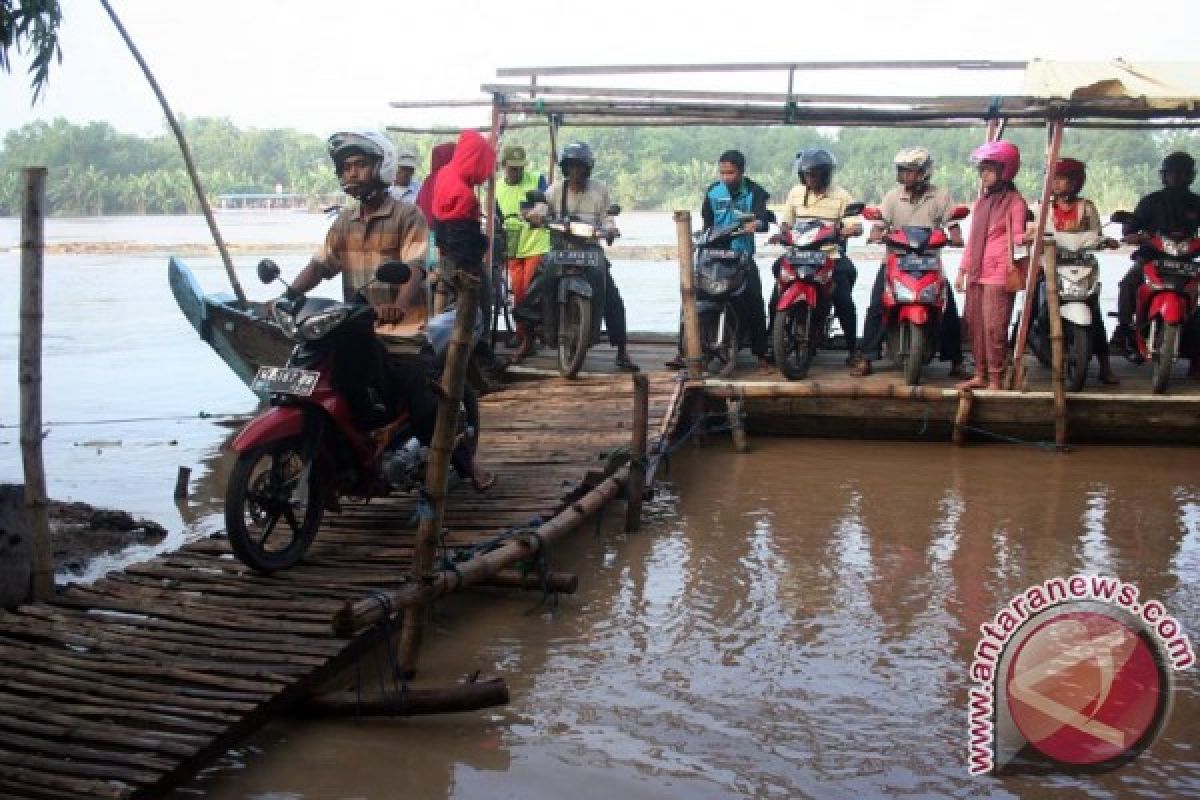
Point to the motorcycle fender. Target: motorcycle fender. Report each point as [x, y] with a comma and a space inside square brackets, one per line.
[1170, 306]
[915, 313]
[1079, 313]
[277, 423]
[795, 293]
[573, 284]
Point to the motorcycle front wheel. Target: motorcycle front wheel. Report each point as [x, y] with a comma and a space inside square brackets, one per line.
[1166, 345]
[273, 505]
[792, 339]
[1077, 352]
[720, 359]
[912, 345]
[574, 334]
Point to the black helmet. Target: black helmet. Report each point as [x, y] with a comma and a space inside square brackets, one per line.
[577, 151]
[815, 159]
[1179, 161]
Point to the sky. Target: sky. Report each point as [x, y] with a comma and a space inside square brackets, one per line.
[318, 66]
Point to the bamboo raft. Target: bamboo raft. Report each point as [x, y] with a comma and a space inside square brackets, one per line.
[126, 687]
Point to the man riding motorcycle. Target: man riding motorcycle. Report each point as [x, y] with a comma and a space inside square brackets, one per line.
[914, 202]
[377, 229]
[817, 197]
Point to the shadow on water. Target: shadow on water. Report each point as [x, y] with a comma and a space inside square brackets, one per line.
[797, 622]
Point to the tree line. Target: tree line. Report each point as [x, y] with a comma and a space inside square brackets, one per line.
[96, 170]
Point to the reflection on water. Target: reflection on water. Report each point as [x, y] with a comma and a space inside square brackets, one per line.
[797, 622]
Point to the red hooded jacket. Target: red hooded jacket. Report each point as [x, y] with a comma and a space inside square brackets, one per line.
[454, 195]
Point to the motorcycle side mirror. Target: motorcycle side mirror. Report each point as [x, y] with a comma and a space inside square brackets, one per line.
[960, 212]
[872, 213]
[1122, 218]
[268, 271]
[393, 272]
[1029, 215]
[614, 210]
[771, 218]
[854, 209]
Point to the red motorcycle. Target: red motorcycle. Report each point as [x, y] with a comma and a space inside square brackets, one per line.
[914, 294]
[335, 428]
[1166, 300]
[804, 284]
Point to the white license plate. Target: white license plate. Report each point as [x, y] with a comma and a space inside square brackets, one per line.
[285, 380]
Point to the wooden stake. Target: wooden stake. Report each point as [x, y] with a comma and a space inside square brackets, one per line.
[181, 482]
[636, 488]
[692, 351]
[437, 470]
[733, 409]
[185, 151]
[961, 419]
[29, 378]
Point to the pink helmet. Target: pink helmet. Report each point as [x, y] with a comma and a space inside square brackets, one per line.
[1001, 152]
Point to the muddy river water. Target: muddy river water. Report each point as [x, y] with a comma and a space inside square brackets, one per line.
[794, 622]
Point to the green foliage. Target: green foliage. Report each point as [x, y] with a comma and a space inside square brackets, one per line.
[31, 24]
[96, 170]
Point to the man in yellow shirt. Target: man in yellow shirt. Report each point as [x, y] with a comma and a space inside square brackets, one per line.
[526, 246]
[816, 197]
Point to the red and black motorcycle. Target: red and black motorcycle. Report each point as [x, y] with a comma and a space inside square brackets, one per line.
[804, 286]
[914, 293]
[336, 426]
[1166, 300]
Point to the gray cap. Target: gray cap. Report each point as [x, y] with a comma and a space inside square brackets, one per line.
[406, 157]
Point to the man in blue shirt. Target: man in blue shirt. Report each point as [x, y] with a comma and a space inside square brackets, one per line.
[724, 200]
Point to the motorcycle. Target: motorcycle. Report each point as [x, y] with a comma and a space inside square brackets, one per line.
[1166, 300]
[721, 275]
[915, 291]
[1077, 281]
[334, 428]
[566, 298]
[804, 277]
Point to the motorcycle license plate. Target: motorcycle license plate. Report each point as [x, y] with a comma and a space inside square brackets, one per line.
[1189, 269]
[285, 380]
[718, 255]
[574, 258]
[919, 263]
[806, 258]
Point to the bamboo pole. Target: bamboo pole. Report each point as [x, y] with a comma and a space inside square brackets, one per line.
[818, 391]
[1055, 131]
[1050, 256]
[437, 470]
[185, 151]
[29, 379]
[733, 411]
[353, 616]
[636, 488]
[470, 696]
[687, 292]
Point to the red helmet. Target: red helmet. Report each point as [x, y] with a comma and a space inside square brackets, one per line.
[1070, 168]
[1000, 152]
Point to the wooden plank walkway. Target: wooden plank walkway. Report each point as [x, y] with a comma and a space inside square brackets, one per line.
[128, 686]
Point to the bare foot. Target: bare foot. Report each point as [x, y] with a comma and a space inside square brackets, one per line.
[973, 383]
[764, 367]
[483, 480]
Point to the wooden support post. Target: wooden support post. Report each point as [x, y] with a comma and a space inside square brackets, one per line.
[557, 582]
[181, 482]
[437, 470]
[733, 409]
[1017, 377]
[961, 419]
[1049, 256]
[635, 490]
[692, 352]
[29, 378]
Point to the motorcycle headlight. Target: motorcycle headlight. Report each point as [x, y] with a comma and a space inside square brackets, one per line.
[285, 321]
[316, 326]
[904, 293]
[929, 294]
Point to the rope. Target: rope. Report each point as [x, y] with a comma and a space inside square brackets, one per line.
[123, 420]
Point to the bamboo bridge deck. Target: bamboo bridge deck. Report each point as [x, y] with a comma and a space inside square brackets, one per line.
[128, 686]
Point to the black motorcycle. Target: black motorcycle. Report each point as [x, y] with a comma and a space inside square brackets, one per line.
[721, 278]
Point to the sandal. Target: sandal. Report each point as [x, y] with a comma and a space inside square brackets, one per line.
[487, 482]
[625, 363]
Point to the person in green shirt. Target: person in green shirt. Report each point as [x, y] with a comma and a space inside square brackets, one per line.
[525, 246]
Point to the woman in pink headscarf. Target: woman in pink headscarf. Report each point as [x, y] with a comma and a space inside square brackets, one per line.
[997, 223]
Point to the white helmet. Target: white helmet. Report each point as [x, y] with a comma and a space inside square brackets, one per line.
[367, 142]
[916, 158]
